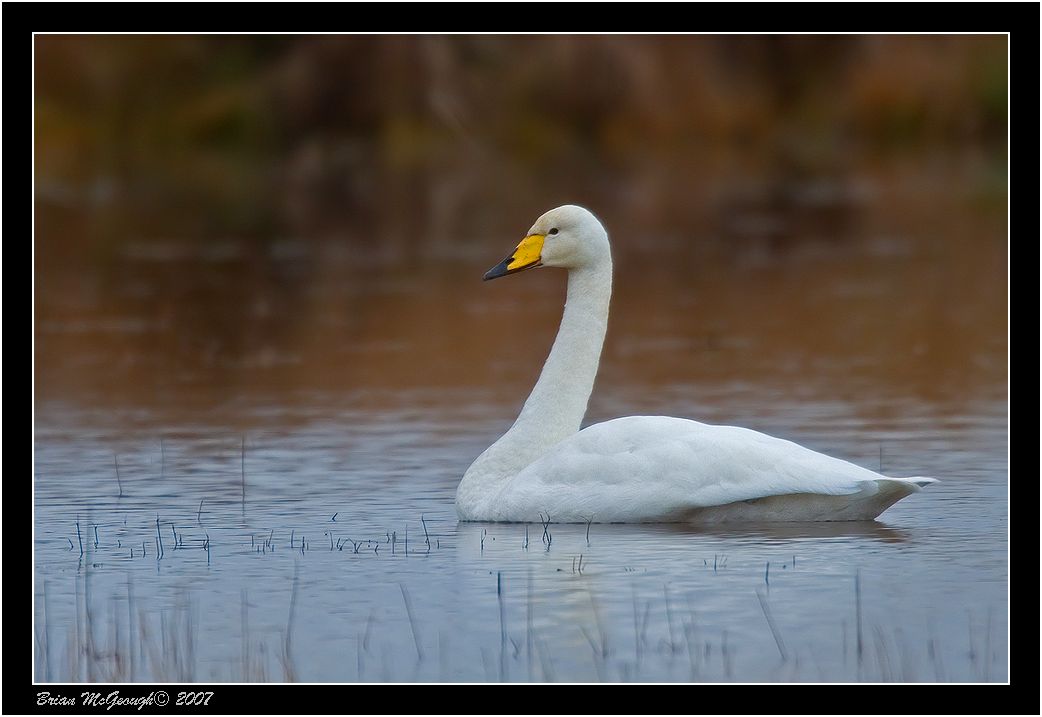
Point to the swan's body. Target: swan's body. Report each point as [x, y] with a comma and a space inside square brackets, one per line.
[641, 468]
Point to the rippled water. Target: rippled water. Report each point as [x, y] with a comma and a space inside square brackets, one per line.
[343, 476]
[296, 416]
[355, 486]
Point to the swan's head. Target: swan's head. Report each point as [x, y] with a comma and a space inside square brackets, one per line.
[569, 237]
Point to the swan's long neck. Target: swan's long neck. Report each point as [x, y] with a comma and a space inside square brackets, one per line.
[555, 408]
[557, 404]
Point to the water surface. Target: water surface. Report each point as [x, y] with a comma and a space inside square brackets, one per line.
[296, 414]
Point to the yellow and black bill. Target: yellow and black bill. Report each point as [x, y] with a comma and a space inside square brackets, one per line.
[527, 255]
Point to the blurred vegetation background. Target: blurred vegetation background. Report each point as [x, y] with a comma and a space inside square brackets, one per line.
[276, 157]
[324, 135]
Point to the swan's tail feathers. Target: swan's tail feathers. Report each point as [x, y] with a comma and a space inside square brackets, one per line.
[914, 483]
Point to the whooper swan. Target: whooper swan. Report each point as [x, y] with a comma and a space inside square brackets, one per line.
[640, 468]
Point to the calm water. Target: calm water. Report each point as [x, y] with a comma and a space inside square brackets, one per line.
[297, 417]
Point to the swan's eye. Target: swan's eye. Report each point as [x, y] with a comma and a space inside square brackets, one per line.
[553, 231]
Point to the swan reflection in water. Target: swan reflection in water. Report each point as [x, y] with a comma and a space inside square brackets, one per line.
[606, 538]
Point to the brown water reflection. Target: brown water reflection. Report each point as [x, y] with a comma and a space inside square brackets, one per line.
[888, 277]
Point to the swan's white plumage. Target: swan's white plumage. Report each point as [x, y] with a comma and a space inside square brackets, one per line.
[656, 468]
[644, 468]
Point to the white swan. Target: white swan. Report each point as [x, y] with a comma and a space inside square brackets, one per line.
[640, 468]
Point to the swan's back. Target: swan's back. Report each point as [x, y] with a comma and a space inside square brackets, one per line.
[659, 469]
